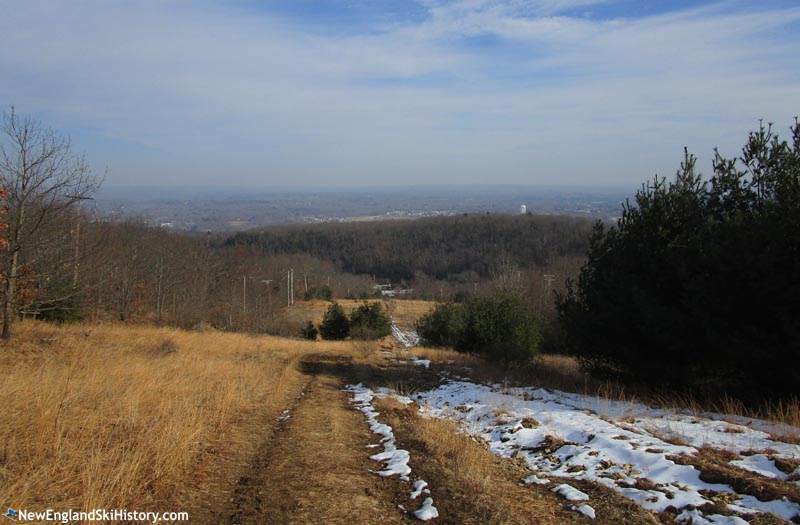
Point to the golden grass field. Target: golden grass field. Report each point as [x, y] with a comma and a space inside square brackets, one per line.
[136, 417]
[133, 417]
[404, 312]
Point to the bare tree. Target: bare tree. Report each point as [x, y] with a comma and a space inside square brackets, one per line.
[506, 274]
[42, 178]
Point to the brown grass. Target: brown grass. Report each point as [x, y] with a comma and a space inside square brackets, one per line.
[562, 372]
[406, 312]
[121, 417]
[714, 467]
[786, 412]
[469, 484]
[315, 309]
[364, 348]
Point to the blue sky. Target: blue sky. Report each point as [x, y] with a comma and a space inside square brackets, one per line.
[356, 92]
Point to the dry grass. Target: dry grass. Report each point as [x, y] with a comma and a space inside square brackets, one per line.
[315, 309]
[121, 417]
[547, 371]
[562, 372]
[466, 458]
[364, 348]
[714, 466]
[406, 312]
[786, 413]
[472, 486]
[469, 484]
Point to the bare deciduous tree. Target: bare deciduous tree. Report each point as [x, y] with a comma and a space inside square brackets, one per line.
[42, 178]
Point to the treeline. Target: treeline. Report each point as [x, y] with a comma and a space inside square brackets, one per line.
[463, 248]
[144, 271]
[133, 272]
[694, 290]
[61, 263]
[697, 287]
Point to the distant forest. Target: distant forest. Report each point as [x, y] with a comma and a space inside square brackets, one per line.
[442, 248]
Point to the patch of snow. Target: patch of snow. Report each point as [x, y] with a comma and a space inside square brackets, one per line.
[533, 479]
[395, 459]
[421, 362]
[383, 392]
[570, 493]
[695, 517]
[760, 464]
[734, 433]
[427, 511]
[782, 508]
[417, 487]
[408, 338]
[612, 443]
[586, 510]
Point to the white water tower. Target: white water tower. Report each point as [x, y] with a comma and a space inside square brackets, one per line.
[523, 210]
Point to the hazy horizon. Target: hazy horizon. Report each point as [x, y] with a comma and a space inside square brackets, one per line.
[115, 186]
[345, 94]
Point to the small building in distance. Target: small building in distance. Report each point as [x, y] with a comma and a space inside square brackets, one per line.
[523, 210]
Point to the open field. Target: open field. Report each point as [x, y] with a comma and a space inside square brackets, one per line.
[249, 430]
[404, 312]
[115, 417]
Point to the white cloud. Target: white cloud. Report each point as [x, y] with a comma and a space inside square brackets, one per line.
[214, 91]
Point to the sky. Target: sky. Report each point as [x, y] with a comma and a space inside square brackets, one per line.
[352, 93]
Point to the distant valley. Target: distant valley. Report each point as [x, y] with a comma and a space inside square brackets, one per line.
[227, 210]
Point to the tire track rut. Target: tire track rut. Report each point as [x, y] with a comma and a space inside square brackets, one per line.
[314, 468]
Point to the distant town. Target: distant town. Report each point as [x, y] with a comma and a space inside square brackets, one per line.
[221, 210]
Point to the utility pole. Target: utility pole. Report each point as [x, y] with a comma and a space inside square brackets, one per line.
[548, 279]
[80, 200]
[290, 287]
[269, 295]
[244, 295]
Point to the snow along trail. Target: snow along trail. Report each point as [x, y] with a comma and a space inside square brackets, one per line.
[619, 445]
[408, 338]
[395, 460]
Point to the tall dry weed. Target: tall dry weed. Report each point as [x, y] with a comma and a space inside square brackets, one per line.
[121, 417]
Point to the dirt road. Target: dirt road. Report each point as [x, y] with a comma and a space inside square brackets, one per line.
[315, 467]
